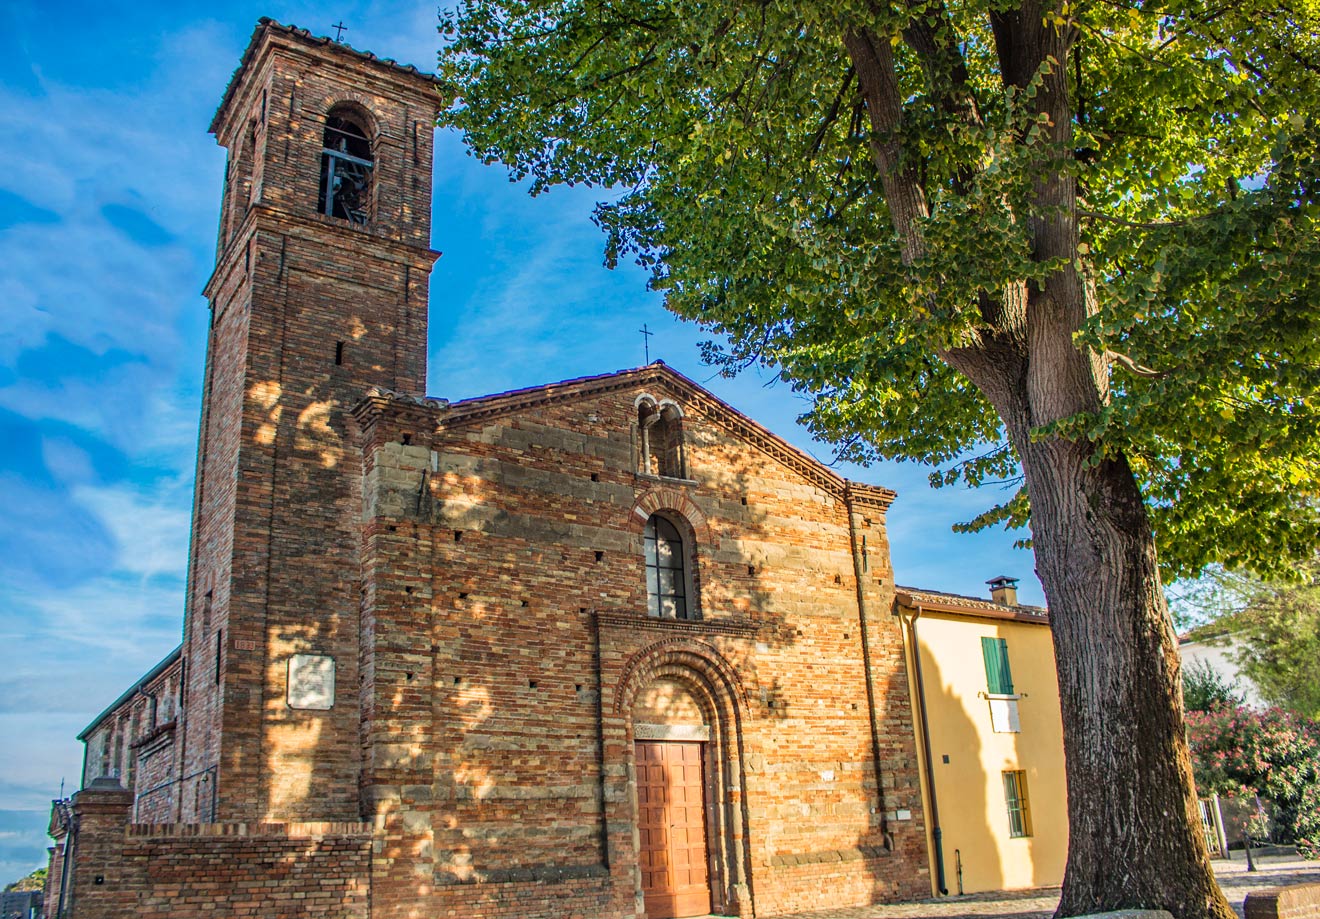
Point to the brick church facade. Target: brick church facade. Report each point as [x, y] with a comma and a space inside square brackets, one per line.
[600, 648]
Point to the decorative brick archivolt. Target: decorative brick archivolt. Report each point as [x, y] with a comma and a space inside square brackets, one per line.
[675, 501]
[353, 103]
[688, 658]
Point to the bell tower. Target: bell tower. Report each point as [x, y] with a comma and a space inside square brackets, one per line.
[319, 293]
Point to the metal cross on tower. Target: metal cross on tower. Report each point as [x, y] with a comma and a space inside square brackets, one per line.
[646, 341]
[340, 29]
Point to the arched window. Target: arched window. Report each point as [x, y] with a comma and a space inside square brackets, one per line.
[661, 429]
[667, 572]
[345, 169]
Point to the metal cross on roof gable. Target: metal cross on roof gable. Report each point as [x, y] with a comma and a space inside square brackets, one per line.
[646, 341]
[340, 29]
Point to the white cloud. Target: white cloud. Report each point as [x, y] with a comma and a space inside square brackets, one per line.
[150, 529]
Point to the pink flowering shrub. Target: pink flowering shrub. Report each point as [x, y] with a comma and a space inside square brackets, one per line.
[1275, 754]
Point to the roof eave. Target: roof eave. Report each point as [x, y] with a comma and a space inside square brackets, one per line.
[146, 678]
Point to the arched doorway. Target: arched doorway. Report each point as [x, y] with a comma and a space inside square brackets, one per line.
[674, 764]
[681, 691]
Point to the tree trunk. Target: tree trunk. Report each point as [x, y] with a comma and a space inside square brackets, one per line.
[1134, 828]
[1135, 835]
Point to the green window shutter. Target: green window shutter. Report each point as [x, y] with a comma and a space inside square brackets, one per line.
[998, 678]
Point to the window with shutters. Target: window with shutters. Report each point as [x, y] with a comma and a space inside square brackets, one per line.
[998, 676]
[999, 687]
[1015, 797]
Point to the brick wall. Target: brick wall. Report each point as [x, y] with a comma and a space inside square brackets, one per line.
[134, 741]
[281, 871]
[1300, 901]
[506, 641]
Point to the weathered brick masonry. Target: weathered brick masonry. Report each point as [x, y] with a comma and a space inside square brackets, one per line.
[420, 648]
[159, 871]
[507, 640]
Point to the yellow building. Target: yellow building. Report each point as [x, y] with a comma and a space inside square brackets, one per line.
[990, 737]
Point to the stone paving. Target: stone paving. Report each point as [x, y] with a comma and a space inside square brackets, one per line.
[1236, 882]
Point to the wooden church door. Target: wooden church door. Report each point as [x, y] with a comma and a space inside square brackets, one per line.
[672, 827]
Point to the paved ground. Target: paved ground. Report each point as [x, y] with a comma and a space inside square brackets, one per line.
[1273, 871]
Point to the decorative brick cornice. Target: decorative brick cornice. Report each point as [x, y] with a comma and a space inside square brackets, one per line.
[383, 406]
[281, 221]
[660, 375]
[737, 628]
[875, 497]
[269, 29]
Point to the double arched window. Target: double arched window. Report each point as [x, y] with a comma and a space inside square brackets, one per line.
[346, 165]
[660, 427]
[668, 574]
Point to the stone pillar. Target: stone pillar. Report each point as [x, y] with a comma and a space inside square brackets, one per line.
[50, 898]
[97, 884]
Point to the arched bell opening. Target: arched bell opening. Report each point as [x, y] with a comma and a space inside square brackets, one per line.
[347, 165]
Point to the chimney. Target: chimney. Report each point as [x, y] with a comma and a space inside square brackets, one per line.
[1003, 590]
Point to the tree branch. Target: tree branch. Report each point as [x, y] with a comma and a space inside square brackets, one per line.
[876, 77]
[1129, 364]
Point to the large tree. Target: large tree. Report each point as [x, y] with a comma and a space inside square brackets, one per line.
[1075, 243]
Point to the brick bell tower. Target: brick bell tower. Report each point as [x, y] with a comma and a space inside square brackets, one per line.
[319, 293]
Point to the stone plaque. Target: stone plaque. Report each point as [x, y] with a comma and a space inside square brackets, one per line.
[671, 732]
[312, 681]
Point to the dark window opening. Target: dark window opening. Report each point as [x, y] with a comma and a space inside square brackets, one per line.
[339, 353]
[346, 166]
[219, 654]
[661, 429]
[666, 570]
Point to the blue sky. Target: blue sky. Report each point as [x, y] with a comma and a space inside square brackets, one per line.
[109, 205]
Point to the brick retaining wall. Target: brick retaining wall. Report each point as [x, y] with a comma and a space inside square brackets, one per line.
[1301, 901]
[154, 871]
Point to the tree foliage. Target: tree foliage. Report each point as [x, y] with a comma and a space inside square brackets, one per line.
[1274, 629]
[736, 161]
[1275, 754]
[1206, 689]
[34, 881]
[1075, 243]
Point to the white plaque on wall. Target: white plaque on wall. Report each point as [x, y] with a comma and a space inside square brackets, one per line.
[311, 681]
